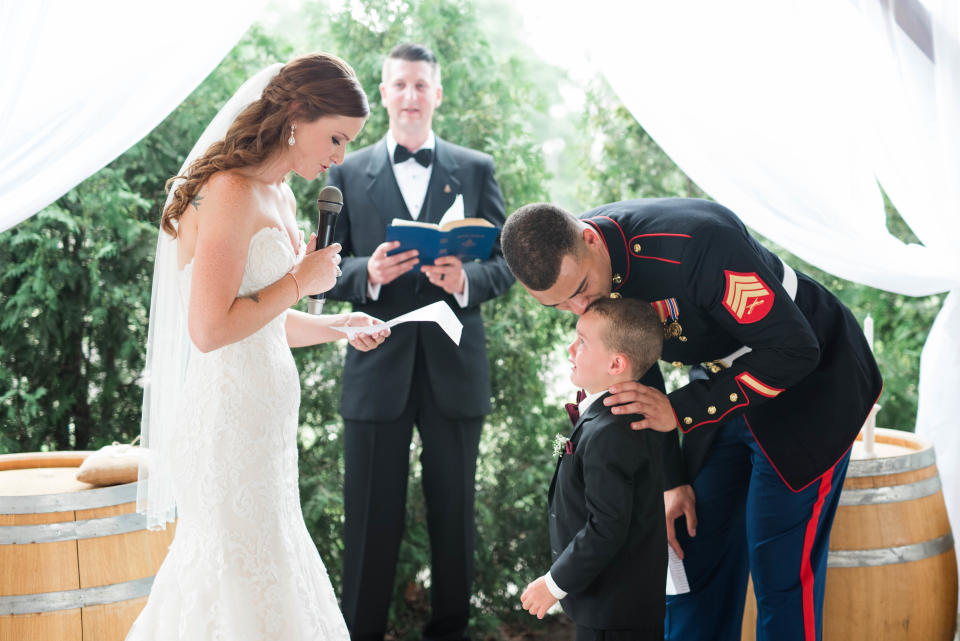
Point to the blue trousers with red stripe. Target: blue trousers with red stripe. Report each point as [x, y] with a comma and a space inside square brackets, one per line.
[749, 521]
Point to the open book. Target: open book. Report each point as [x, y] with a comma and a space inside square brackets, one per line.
[467, 238]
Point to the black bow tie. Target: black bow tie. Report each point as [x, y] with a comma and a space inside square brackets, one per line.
[422, 156]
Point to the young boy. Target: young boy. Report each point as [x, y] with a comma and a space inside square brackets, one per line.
[607, 528]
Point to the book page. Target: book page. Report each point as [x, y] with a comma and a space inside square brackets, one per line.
[453, 214]
[403, 222]
[466, 222]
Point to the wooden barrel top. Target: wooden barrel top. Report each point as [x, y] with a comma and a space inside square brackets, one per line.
[44, 482]
[894, 451]
[40, 480]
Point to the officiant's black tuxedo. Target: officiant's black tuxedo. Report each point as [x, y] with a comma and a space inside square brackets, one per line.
[418, 375]
[607, 529]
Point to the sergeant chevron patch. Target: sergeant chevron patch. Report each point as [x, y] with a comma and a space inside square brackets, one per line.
[747, 298]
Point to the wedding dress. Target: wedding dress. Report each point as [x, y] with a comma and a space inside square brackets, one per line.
[242, 566]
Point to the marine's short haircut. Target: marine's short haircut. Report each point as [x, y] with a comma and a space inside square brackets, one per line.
[632, 328]
[535, 239]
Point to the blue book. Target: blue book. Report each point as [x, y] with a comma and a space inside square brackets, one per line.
[468, 239]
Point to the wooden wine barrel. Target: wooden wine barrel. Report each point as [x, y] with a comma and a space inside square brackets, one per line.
[76, 562]
[891, 570]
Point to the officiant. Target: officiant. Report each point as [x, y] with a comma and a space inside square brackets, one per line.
[419, 377]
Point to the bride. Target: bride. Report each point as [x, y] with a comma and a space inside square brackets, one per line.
[221, 389]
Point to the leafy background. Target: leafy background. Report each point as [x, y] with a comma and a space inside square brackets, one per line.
[75, 281]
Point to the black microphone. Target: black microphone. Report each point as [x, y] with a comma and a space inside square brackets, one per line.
[329, 204]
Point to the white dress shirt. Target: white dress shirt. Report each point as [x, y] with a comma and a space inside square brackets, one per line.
[413, 179]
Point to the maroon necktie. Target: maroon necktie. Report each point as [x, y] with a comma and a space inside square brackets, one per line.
[573, 409]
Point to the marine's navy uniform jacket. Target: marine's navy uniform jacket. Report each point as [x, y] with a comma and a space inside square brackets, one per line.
[809, 379]
[607, 531]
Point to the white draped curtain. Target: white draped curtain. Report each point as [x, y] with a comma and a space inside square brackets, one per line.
[790, 113]
[82, 81]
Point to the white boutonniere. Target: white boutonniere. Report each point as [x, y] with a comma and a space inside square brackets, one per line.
[561, 445]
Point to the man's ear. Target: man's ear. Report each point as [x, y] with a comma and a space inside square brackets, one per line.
[618, 365]
[590, 236]
[439, 96]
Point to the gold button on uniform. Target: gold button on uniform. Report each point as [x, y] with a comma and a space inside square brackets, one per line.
[614, 295]
[687, 420]
[733, 398]
[617, 279]
[677, 364]
[636, 248]
[711, 410]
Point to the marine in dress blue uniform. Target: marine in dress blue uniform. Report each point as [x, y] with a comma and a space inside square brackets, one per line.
[782, 382]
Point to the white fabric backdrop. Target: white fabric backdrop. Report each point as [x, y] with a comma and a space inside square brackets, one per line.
[81, 82]
[789, 113]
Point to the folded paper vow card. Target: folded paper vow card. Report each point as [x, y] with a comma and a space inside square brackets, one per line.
[439, 312]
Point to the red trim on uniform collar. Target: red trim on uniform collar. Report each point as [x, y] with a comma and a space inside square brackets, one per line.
[626, 247]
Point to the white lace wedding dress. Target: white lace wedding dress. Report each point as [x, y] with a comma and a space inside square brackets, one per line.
[242, 566]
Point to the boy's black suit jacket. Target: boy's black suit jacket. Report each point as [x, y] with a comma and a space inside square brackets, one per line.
[607, 530]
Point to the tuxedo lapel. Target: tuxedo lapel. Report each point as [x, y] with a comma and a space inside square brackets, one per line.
[444, 186]
[382, 186]
[592, 412]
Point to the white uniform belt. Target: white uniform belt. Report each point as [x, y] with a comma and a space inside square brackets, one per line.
[789, 284]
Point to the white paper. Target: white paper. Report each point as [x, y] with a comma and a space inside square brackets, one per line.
[438, 312]
[676, 575]
[454, 213]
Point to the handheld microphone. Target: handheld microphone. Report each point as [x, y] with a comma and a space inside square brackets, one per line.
[329, 204]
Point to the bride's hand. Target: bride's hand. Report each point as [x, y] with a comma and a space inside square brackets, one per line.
[318, 271]
[365, 342]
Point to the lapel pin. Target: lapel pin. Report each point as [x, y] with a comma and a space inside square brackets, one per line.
[446, 189]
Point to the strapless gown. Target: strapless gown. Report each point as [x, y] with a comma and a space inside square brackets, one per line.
[242, 565]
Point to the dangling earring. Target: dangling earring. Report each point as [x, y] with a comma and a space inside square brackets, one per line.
[291, 140]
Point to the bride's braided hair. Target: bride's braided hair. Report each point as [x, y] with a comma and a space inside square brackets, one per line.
[305, 89]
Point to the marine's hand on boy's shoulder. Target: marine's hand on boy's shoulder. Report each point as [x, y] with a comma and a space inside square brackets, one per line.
[651, 404]
[537, 599]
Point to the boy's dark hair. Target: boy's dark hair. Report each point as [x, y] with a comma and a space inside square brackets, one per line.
[413, 52]
[632, 328]
[535, 239]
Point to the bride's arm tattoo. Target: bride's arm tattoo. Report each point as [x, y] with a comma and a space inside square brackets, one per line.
[255, 297]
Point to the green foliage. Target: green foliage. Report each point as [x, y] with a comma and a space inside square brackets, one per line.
[627, 163]
[74, 290]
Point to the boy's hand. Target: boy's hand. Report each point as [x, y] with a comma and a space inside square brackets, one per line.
[536, 599]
